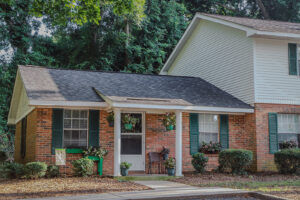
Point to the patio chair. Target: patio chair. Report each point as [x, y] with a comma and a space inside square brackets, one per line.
[154, 157]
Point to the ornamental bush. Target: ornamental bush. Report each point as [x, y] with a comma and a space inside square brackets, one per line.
[288, 144]
[199, 162]
[11, 170]
[83, 167]
[288, 161]
[52, 171]
[235, 161]
[35, 170]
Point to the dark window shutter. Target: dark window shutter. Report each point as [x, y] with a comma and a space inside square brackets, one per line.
[23, 136]
[273, 135]
[194, 133]
[94, 128]
[224, 131]
[292, 59]
[57, 129]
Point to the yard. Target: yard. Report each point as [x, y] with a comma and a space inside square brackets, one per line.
[13, 189]
[287, 186]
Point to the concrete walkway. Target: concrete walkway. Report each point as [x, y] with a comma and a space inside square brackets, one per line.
[161, 189]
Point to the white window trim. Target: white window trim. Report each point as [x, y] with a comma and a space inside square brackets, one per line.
[298, 59]
[87, 129]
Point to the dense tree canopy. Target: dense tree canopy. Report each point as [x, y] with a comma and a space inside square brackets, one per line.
[111, 35]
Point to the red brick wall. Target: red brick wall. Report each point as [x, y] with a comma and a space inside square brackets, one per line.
[265, 160]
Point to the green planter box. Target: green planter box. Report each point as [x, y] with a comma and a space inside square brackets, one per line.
[74, 150]
[100, 163]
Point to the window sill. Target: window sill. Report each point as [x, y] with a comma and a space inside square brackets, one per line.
[74, 150]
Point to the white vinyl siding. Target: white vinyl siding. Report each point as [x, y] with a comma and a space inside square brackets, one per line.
[273, 84]
[220, 55]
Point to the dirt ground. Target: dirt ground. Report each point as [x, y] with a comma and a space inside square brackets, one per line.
[15, 189]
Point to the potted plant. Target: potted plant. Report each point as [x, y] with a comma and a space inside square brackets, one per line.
[170, 165]
[169, 121]
[110, 119]
[129, 121]
[210, 148]
[165, 153]
[124, 168]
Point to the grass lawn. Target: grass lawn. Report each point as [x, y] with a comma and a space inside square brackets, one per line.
[14, 189]
[286, 186]
[145, 178]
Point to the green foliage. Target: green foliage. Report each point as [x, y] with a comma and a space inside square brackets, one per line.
[61, 12]
[288, 144]
[83, 167]
[52, 171]
[169, 119]
[235, 161]
[125, 165]
[288, 161]
[34, 170]
[11, 170]
[93, 151]
[211, 147]
[199, 162]
[170, 163]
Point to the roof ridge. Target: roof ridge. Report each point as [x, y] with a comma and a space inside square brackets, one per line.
[100, 71]
[243, 17]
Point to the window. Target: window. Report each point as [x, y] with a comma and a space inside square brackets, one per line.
[208, 128]
[23, 136]
[75, 128]
[289, 128]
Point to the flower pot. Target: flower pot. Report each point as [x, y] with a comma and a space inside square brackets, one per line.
[111, 123]
[171, 171]
[165, 156]
[124, 171]
[128, 126]
[170, 127]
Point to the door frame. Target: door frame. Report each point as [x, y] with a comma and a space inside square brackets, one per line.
[143, 133]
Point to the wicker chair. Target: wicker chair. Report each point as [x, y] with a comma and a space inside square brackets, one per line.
[154, 157]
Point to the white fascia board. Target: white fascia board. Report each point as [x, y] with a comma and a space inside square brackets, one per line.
[67, 103]
[273, 34]
[183, 108]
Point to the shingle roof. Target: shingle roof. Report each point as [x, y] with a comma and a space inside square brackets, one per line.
[261, 25]
[75, 85]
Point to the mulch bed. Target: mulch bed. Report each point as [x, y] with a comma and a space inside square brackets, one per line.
[14, 189]
[212, 177]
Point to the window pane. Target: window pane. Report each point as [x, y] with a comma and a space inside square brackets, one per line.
[75, 135]
[83, 114]
[131, 144]
[83, 135]
[67, 123]
[136, 128]
[75, 114]
[208, 128]
[288, 123]
[67, 135]
[67, 114]
[83, 123]
[75, 123]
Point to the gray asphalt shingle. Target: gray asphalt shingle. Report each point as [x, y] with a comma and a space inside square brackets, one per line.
[75, 85]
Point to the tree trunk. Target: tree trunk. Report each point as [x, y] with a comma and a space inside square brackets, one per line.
[263, 9]
[127, 31]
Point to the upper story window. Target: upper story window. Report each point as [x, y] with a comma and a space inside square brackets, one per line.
[294, 59]
[289, 128]
[75, 128]
[208, 128]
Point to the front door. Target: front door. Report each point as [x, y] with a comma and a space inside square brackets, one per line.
[133, 140]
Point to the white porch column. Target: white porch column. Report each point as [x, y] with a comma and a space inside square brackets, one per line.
[117, 141]
[178, 143]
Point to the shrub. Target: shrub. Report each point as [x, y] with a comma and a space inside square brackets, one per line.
[35, 170]
[235, 161]
[288, 144]
[199, 162]
[170, 163]
[11, 170]
[3, 156]
[288, 161]
[83, 167]
[212, 147]
[52, 171]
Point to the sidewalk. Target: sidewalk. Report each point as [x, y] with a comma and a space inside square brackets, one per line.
[160, 189]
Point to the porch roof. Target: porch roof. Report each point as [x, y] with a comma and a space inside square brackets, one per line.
[95, 87]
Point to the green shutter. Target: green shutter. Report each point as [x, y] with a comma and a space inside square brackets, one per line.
[224, 131]
[292, 59]
[94, 128]
[194, 133]
[273, 135]
[57, 129]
